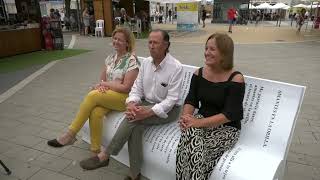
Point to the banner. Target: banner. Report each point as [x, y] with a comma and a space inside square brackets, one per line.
[187, 16]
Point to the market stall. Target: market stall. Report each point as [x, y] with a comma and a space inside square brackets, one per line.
[20, 31]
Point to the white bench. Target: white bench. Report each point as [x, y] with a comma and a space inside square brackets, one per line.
[270, 112]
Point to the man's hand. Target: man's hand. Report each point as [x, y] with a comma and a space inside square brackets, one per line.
[131, 110]
[140, 113]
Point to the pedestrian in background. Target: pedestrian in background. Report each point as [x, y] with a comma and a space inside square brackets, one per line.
[170, 15]
[57, 14]
[124, 19]
[258, 17]
[300, 19]
[86, 20]
[231, 18]
[203, 17]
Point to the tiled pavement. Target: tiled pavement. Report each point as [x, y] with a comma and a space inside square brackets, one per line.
[45, 107]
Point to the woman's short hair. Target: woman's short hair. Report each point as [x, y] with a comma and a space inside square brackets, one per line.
[128, 35]
[226, 47]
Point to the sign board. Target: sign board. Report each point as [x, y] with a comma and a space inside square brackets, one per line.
[187, 16]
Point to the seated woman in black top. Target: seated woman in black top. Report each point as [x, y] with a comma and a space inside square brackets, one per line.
[217, 90]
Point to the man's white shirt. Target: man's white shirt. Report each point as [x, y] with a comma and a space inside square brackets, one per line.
[158, 85]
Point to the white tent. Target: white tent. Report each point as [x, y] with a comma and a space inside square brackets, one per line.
[279, 6]
[300, 6]
[264, 6]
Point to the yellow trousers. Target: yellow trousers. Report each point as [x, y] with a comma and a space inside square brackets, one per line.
[94, 106]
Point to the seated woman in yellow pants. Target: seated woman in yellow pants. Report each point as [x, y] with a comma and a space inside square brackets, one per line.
[120, 71]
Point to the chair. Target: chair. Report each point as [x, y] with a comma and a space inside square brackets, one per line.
[99, 28]
[5, 168]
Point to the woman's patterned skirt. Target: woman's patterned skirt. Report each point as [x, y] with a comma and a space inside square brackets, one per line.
[200, 149]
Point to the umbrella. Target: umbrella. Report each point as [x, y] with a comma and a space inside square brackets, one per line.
[279, 6]
[251, 6]
[300, 6]
[264, 6]
[287, 7]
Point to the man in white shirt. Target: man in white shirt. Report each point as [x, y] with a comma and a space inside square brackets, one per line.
[152, 101]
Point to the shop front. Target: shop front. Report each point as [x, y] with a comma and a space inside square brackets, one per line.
[20, 30]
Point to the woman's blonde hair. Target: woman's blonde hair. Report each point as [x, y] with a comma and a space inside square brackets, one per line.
[226, 47]
[128, 35]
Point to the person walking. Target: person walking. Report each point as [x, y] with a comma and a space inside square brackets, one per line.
[231, 18]
[170, 15]
[300, 19]
[203, 17]
[258, 17]
[86, 21]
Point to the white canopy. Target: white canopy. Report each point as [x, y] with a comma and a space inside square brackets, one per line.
[287, 7]
[245, 6]
[300, 6]
[264, 6]
[279, 6]
[251, 6]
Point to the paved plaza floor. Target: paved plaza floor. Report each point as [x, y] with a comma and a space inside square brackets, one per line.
[45, 106]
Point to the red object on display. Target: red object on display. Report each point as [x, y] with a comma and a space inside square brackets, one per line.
[48, 41]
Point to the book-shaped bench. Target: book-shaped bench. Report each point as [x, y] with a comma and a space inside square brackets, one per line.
[271, 109]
